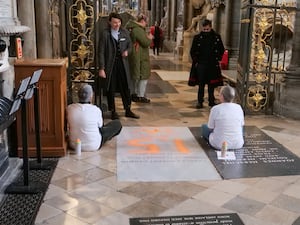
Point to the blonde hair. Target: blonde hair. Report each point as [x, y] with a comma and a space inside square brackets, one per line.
[141, 17]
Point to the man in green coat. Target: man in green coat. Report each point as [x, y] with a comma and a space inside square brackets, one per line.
[139, 60]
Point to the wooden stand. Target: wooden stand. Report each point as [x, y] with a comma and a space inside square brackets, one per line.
[52, 103]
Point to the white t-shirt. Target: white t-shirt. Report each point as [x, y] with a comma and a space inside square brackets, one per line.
[84, 121]
[227, 121]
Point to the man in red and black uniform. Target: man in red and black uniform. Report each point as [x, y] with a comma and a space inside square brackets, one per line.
[206, 52]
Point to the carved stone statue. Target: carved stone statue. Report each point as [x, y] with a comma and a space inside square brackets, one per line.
[205, 6]
[164, 21]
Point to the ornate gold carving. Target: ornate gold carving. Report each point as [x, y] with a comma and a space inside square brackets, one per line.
[257, 97]
[264, 70]
[81, 16]
[82, 45]
[245, 21]
[82, 75]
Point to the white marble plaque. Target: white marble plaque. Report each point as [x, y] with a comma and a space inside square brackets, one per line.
[6, 8]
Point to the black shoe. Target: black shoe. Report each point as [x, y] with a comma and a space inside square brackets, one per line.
[144, 100]
[135, 98]
[114, 115]
[199, 105]
[130, 114]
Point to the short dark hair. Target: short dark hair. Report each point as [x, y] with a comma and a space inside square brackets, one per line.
[114, 15]
[206, 22]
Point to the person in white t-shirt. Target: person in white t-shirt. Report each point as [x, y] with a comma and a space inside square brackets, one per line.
[85, 122]
[225, 122]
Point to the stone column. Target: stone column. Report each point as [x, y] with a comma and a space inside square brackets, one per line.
[180, 13]
[27, 16]
[287, 101]
[187, 36]
[167, 16]
[188, 14]
[43, 29]
[159, 10]
[153, 12]
[172, 19]
[232, 27]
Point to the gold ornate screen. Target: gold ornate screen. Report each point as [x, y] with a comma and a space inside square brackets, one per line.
[272, 30]
[82, 43]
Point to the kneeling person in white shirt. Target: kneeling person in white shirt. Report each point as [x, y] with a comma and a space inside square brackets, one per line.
[85, 122]
[225, 122]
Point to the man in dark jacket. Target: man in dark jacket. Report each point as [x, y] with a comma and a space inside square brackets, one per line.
[113, 62]
[206, 52]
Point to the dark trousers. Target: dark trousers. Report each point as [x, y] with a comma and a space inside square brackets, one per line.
[156, 46]
[110, 130]
[211, 97]
[118, 83]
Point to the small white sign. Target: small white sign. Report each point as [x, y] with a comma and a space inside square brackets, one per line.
[228, 156]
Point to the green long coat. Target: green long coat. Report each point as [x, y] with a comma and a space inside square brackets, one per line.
[139, 60]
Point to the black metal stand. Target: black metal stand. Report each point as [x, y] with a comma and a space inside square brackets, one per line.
[39, 164]
[24, 187]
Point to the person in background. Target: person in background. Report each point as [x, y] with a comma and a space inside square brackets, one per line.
[114, 46]
[157, 33]
[225, 122]
[206, 52]
[139, 59]
[85, 122]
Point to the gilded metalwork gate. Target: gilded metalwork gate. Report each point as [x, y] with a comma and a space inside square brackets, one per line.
[82, 39]
[265, 50]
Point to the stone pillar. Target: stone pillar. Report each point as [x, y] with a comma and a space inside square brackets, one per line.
[159, 10]
[180, 13]
[167, 17]
[188, 14]
[187, 36]
[43, 29]
[287, 101]
[232, 27]
[153, 12]
[27, 16]
[164, 23]
[172, 19]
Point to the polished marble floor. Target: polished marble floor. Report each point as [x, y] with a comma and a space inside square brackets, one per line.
[85, 189]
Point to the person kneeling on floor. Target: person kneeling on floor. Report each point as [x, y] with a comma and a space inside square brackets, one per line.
[85, 122]
[225, 123]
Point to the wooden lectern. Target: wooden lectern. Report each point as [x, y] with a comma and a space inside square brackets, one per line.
[52, 103]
